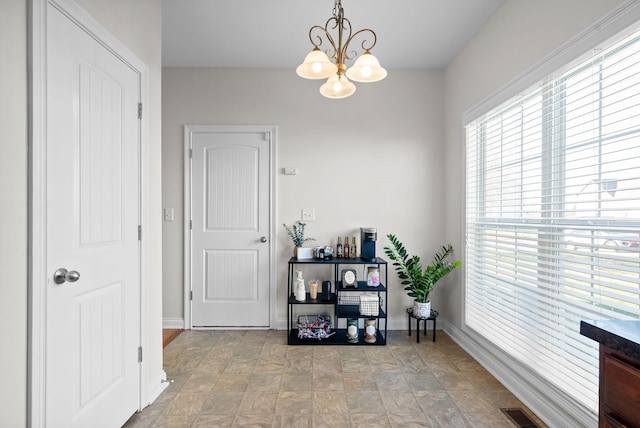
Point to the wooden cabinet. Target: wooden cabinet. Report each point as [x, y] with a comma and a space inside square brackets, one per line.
[619, 390]
[619, 370]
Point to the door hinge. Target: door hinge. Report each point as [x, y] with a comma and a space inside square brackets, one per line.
[139, 110]
[139, 354]
[190, 153]
[139, 233]
[191, 295]
[190, 224]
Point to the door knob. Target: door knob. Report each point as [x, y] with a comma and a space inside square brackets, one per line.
[263, 239]
[62, 275]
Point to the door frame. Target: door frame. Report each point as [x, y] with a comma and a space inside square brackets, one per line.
[37, 189]
[188, 130]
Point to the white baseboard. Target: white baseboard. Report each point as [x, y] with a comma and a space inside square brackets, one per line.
[173, 323]
[554, 407]
[281, 324]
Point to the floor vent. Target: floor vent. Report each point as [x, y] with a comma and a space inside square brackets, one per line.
[519, 418]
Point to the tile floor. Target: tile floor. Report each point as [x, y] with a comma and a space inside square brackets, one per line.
[254, 379]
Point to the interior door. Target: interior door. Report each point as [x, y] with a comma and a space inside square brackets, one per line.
[230, 206]
[93, 290]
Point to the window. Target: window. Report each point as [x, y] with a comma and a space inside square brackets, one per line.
[553, 216]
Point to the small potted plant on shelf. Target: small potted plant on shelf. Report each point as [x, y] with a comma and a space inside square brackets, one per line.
[419, 281]
[296, 233]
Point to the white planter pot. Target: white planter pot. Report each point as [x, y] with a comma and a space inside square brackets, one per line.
[304, 253]
[422, 310]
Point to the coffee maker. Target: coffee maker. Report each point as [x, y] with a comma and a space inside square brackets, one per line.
[368, 237]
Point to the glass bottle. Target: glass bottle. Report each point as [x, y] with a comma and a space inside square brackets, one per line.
[353, 250]
[339, 248]
[345, 248]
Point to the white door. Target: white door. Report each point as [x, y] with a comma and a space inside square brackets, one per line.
[230, 213]
[92, 322]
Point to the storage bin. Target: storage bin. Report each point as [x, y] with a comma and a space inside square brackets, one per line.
[369, 304]
[346, 298]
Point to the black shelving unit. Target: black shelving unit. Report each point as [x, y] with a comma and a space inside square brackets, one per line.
[336, 307]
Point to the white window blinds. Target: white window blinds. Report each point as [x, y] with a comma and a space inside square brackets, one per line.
[553, 216]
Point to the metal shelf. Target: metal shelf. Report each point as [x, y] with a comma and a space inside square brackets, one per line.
[340, 311]
[340, 338]
[353, 311]
[309, 301]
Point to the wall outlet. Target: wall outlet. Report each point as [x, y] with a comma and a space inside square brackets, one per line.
[308, 214]
[168, 214]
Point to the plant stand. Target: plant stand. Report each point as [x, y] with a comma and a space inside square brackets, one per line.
[431, 317]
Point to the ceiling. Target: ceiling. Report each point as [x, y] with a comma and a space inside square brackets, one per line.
[414, 34]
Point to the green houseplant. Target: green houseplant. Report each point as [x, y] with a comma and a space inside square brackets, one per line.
[296, 233]
[419, 281]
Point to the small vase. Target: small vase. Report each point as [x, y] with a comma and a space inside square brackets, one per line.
[421, 310]
[299, 290]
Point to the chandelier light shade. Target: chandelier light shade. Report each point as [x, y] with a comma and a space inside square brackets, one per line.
[318, 64]
[337, 86]
[366, 69]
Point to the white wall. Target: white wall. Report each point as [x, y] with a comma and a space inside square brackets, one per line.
[143, 37]
[13, 215]
[374, 159]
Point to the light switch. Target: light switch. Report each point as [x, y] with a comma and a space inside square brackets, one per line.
[308, 214]
[290, 171]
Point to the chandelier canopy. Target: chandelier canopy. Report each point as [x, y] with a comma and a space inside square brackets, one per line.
[330, 64]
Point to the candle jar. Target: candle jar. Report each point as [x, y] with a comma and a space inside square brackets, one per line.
[370, 330]
[373, 276]
[352, 330]
[313, 289]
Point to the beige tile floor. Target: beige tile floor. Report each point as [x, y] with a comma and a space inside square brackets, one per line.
[254, 379]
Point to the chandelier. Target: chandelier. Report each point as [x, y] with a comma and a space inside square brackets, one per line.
[318, 64]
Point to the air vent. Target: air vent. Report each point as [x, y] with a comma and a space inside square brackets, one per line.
[519, 418]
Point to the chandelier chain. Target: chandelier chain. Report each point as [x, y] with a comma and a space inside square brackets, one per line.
[337, 8]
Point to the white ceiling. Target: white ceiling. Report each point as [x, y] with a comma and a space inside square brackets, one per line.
[274, 33]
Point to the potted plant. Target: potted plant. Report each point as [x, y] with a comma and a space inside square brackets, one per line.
[296, 233]
[419, 281]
